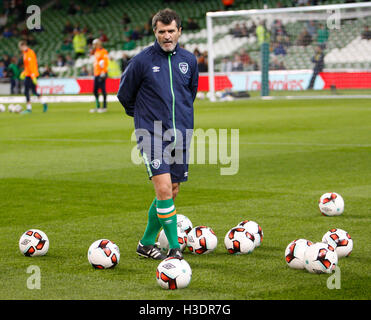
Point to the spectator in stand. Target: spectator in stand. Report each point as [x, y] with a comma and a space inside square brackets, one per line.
[197, 53]
[128, 44]
[66, 45]
[14, 72]
[276, 64]
[366, 34]
[69, 61]
[6, 59]
[202, 63]
[192, 24]
[124, 62]
[7, 33]
[237, 31]
[2, 69]
[312, 28]
[237, 64]
[318, 60]
[83, 71]
[322, 35]
[48, 73]
[102, 36]
[125, 19]
[245, 58]
[147, 30]
[304, 38]
[279, 47]
[226, 65]
[68, 28]
[61, 61]
[136, 34]
[79, 43]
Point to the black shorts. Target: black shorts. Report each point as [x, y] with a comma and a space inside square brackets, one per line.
[165, 158]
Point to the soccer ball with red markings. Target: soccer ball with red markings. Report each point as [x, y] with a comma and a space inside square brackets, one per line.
[163, 243]
[294, 253]
[184, 223]
[320, 258]
[239, 241]
[34, 243]
[103, 254]
[340, 240]
[331, 204]
[201, 240]
[255, 229]
[173, 273]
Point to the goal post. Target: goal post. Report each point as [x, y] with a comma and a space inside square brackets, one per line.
[279, 51]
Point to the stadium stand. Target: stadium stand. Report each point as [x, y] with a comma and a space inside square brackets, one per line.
[118, 21]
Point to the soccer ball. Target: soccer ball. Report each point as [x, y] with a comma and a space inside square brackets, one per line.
[201, 240]
[34, 243]
[164, 243]
[17, 108]
[331, 204]
[173, 273]
[253, 228]
[340, 240]
[11, 107]
[184, 223]
[2, 108]
[239, 241]
[103, 254]
[320, 258]
[294, 253]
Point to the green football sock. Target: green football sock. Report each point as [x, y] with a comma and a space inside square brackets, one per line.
[153, 226]
[97, 104]
[166, 214]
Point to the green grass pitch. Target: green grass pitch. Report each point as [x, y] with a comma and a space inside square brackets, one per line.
[69, 173]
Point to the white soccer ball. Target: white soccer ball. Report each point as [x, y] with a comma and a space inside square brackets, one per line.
[2, 108]
[173, 273]
[184, 223]
[340, 240]
[294, 253]
[163, 243]
[331, 204]
[103, 254]
[34, 243]
[11, 107]
[201, 240]
[239, 241]
[320, 258]
[255, 229]
[17, 108]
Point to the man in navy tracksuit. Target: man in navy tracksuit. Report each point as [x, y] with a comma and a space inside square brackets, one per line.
[158, 88]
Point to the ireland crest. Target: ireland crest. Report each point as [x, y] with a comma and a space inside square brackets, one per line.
[183, 66]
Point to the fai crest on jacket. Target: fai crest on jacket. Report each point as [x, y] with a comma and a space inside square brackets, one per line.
[183, 66]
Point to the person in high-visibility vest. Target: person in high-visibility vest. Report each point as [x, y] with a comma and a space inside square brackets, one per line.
[29, 75]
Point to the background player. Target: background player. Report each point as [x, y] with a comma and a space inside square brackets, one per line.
[29, 75]
[100, 75]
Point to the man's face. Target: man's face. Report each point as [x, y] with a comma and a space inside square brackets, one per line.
[167, 35]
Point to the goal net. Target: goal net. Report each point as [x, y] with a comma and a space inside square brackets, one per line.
[307, 50]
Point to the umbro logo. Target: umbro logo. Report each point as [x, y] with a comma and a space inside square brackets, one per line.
[156, 69]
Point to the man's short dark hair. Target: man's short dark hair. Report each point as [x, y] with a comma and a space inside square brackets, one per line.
[166, 16]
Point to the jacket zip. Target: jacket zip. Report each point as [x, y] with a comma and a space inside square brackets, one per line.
[173, 96]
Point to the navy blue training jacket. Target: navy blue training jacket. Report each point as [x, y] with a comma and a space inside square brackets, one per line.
[160, 86]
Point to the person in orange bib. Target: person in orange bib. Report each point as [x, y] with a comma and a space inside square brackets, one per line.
[29, 75]
[100, 74]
